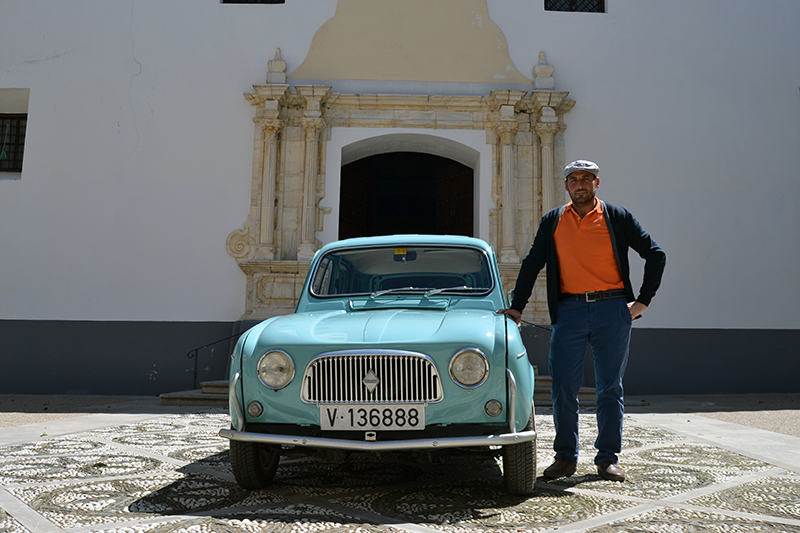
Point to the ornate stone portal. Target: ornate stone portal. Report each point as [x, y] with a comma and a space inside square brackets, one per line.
[277, 241]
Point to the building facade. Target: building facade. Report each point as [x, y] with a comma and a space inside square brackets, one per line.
[179, 163]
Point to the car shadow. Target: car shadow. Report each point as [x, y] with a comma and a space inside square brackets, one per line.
[443, 487]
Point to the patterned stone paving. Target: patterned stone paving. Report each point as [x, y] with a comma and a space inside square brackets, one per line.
[9, 525]
[172, 474]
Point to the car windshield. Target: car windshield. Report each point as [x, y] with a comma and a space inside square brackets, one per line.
[383, 271]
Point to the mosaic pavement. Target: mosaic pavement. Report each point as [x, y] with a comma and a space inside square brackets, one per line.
[172, 474]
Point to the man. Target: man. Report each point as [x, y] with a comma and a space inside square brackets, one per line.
[584, 246]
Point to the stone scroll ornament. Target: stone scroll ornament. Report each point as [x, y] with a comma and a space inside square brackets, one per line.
[241, 244]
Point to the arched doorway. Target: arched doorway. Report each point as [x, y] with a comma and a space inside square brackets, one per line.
[406, 192]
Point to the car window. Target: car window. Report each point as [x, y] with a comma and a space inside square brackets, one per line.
[402, 269]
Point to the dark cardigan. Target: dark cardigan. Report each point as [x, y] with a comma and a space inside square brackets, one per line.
[625, 231]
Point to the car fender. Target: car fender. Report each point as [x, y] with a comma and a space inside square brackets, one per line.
[519, 365]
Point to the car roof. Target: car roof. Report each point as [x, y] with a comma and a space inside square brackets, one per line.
[408, 240]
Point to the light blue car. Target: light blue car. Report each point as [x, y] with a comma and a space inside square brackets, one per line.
[395, 345]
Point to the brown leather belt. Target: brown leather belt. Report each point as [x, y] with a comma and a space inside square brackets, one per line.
[593, 296]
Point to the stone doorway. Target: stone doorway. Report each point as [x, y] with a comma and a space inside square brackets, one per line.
[406, 192]
[510, 141]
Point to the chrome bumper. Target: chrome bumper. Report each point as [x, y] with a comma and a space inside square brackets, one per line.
[369, 446]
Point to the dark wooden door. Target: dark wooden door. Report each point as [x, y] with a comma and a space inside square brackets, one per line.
[405, 192]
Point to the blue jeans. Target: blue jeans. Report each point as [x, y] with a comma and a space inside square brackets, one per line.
[606, 326]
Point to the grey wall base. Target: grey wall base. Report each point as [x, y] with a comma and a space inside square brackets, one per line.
[150, 358]
[111, 358]
[696, 361]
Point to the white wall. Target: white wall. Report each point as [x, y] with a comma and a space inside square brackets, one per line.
[139, 147]
[692, 111]
[138, 153]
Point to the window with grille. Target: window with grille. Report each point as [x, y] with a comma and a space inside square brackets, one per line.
[584, 6]
[12, 142]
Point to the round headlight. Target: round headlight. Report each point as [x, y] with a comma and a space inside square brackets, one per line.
[469, 368]
[276, 369]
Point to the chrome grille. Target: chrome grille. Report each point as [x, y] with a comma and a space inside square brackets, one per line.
[372, 377]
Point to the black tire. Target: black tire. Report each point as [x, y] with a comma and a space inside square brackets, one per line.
[254, 465]
[519, 465]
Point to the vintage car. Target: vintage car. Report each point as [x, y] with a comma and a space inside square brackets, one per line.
[395, 345]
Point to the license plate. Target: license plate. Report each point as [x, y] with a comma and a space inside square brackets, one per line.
[371, 417]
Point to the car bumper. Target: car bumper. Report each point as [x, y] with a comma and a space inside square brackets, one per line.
[371, 446]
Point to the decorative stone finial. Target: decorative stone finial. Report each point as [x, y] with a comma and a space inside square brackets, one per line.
[277, 69]
[543, 79]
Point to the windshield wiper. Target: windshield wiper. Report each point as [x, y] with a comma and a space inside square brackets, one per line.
[462, 288]
[396, 289]
[428, 292]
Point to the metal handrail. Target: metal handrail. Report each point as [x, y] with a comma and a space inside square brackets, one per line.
[192, 354]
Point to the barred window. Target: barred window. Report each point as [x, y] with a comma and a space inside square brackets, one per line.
[12, 142]
[584, 6]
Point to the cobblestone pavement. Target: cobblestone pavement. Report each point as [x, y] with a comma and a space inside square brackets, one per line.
[170, 472]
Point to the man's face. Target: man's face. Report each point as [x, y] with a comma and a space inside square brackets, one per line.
[582, 187]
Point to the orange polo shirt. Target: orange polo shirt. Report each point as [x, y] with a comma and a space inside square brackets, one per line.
[586, 260]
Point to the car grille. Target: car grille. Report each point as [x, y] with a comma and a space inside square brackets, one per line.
[372, 377]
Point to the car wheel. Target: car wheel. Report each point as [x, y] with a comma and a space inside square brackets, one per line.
[254, 464]
[519, 465]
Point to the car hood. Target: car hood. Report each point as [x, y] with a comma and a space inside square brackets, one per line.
[389, 326]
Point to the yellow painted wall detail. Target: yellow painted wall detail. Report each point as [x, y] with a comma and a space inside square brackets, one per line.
[410, 40]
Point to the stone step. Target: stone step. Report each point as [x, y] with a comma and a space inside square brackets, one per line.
[215, 387]
[541, 392]
[213, 395]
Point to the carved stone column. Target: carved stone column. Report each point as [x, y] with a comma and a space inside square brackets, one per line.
[547, 133]
[266, 239]
[312, 127]
[505, 125]
[508, 251]
[549, 107]
[314, 97]
[256, 240]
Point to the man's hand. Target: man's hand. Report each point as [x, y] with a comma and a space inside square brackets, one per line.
[636, 309]
[513, 314]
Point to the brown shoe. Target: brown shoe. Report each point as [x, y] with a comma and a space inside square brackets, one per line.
[611, 471]
[560, 468]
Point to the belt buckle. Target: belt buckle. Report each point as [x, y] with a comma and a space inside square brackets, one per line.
[590, 299]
